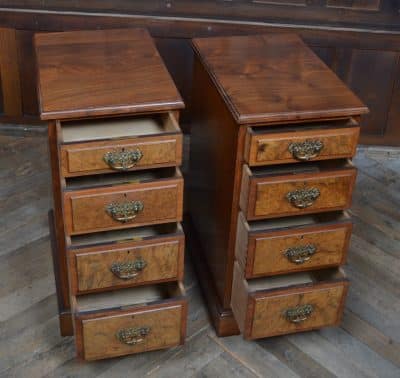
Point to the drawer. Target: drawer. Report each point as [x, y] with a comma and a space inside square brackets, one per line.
[119, 144]
[334, 140]
[279, 305]
[106, 202]
[126, 258]
[292, 244]
[293, 190]
[130, 321]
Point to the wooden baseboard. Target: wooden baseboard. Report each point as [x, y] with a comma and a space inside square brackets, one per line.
[222, 319]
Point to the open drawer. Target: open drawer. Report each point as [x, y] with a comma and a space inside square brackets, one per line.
[303, 142]
[280, 191]
[279, 305]
[119, 144]
[292, 244]
[107, 202]
[130, 321]
[125, 258]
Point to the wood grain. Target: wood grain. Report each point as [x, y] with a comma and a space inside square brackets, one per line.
[85, 210]
[261, 253]
[265, 197]
[98, 334]
[86, 158]
[273, 147]
[259, 87]
[90, 268]
[89, 73]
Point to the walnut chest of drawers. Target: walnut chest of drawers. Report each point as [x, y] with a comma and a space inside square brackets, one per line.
[270, 180]
[116, 148]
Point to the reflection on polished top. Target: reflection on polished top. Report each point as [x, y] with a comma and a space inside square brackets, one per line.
[274, 78]
[91, 73]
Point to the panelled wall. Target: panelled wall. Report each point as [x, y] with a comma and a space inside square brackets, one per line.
[358, 39]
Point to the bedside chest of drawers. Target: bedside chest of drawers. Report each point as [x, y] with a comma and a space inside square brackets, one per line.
[115, 148]
[270, 179]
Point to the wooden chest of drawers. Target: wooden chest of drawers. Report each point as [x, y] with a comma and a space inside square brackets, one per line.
[116, 148]
[270, 180]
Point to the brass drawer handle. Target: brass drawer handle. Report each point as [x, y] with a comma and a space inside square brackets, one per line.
[123, 160]
[124, 211]
[299, 314]
[132, 336]
[303, 198]
[128, 269]
[300, 254]
[306, 150]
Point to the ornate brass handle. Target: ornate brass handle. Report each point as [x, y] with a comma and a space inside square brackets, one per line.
[300, 254]
[124, 211]
[123, 160]
[132, 336]
[303, 198]
[306, 150]
[299, 314]
[128, 269]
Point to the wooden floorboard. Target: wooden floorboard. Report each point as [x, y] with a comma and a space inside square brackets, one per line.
[367, 344]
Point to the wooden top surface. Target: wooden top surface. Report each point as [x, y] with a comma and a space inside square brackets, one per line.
[92, 73]
[274, 78]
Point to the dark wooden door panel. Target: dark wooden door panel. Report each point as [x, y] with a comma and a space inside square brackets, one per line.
[371, 76]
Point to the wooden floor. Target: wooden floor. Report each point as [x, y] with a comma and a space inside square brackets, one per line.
[366, 345]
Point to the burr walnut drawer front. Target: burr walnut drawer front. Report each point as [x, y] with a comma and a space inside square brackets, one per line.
[293, 190]
[121, 144]
[130, 321]
[333, 140]
[126, 258]
[278, 305]
[96, 203]
[292, 244]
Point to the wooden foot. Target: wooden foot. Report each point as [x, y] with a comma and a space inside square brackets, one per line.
[222, 319]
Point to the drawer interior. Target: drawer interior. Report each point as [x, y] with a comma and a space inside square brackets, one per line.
[295, 279]
[130, 297]
[302, 168]
[93, 181]
[127, 235]
[111, 128]
[297, 221]
[303, 126]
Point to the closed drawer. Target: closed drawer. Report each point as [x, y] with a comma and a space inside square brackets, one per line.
[297, 302]
[275, 192]
[96, 203]
[130, 321]
[126, 258]
[292, 244]
[122, 144]
[333, 140]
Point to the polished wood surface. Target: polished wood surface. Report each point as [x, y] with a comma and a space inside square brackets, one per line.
[157, 151]
[265, 196]
[260, 313]
[366, 343]
[345, 37]
[85, 210]
[89, 73]
[274, 147]
[259, 86]
[261, 252]
[90, 267]
[96, 333]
